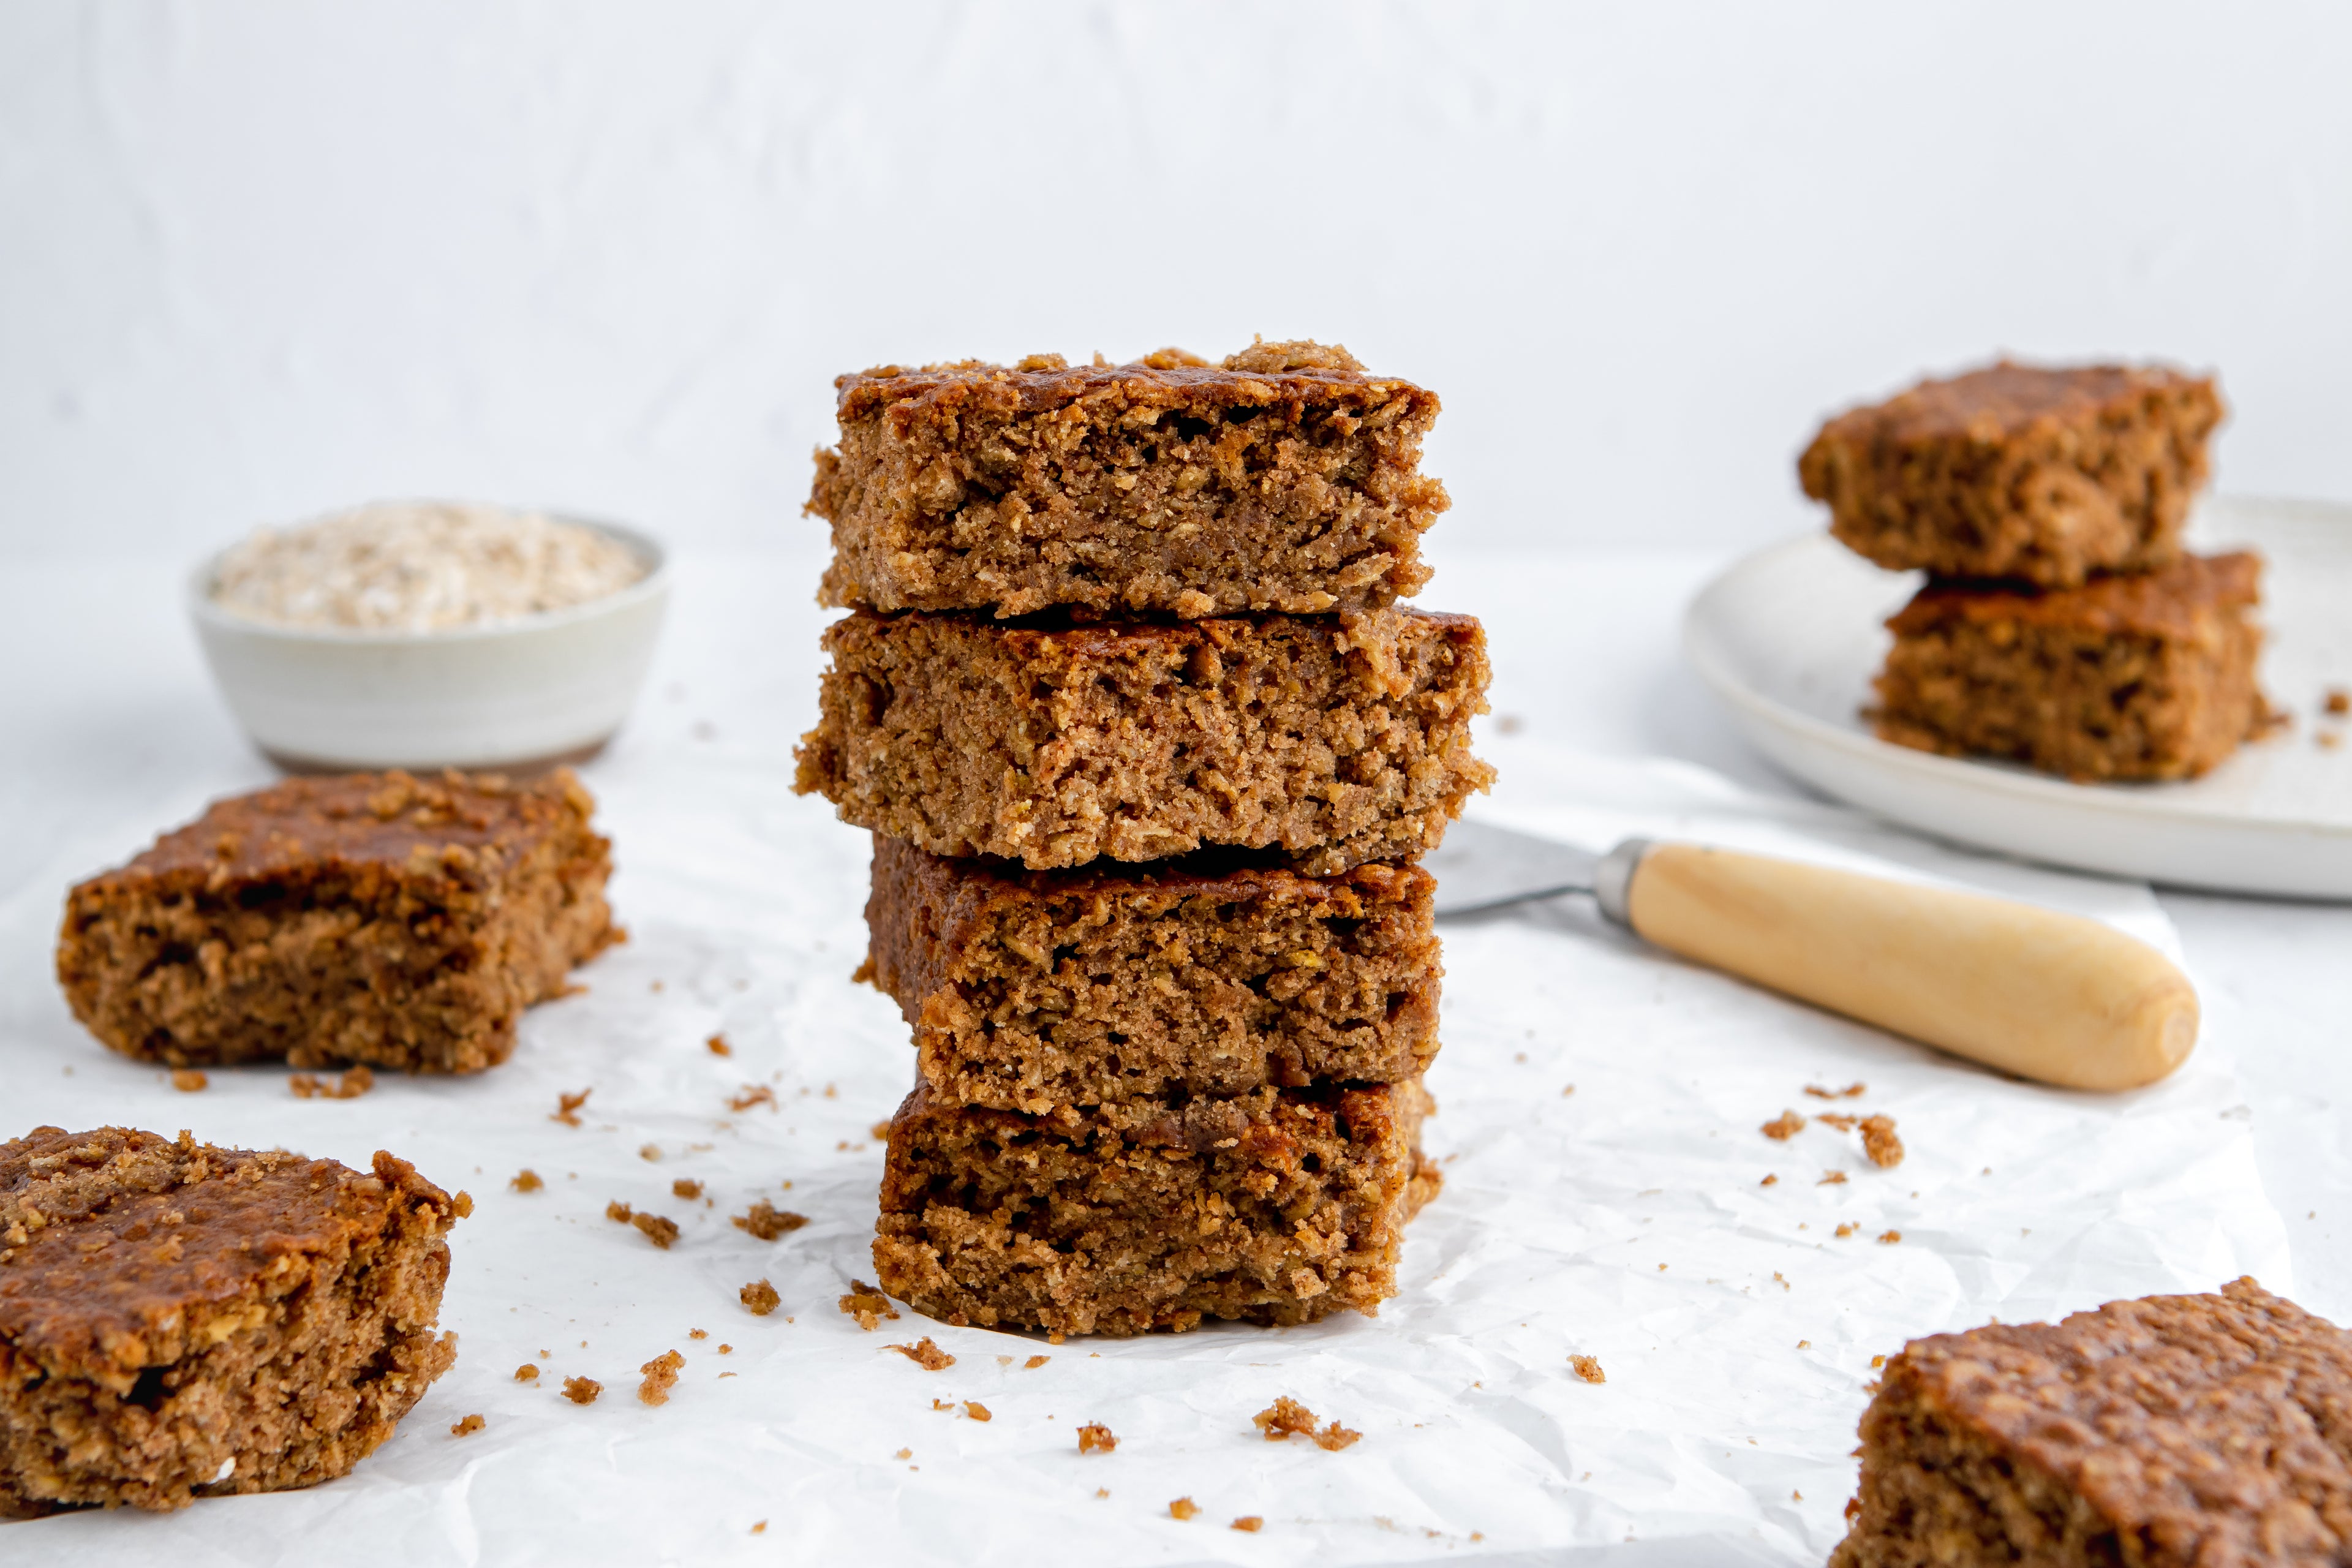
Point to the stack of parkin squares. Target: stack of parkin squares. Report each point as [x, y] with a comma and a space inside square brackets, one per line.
[2062, 625]
[1149, 753]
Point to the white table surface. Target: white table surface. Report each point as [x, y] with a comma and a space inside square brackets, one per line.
[115, 733]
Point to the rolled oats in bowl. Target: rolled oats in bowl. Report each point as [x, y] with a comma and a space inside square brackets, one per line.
[419, 566]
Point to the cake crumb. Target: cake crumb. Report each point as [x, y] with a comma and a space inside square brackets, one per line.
[1851, 1091]
[718, 1046]
[1838, 1120]
[2337, 700]
[1844, 1231]
[526, 1180]
[1102, 1491]
[1880, 1143]
[1035, 1362]
[1876, 1362]
[187, 1080]
[752, 1094]
[2328, 740]
[761, 1528]
[904, 1454]
[760, 1297]
[461, 1203]
[661, 1377]
[1769, 1180]
[351, 1085]
[879, 1132]
[567, 1107]
[659, 1231]
[936, 1404]
[1780, 1281]
[1094, 1438]
[1182, 1507]
[729, 1350]
[1004, 1361]
[527, 1372]
[697, 1333]
[868, 1305]
[581, 1390]
[925, 1354]
[977, 1410]
[1286, 1417]
[1250, 1522]
[685, 1187]
[1588, 1367]
[1831, 1179]
[617, 1211]
[650, 1151]
[1804, 1345]
[767, 1222]
[1785, 1126]
[1889, 1238]
[469, 1426]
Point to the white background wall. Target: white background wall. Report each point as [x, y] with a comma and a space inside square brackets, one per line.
[261, 259]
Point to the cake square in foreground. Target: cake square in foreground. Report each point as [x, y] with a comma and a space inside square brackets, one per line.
[2164, 1433]
[1286, 479]
[180, 1321]
[2149, 676]
[1278, 1206]
[1037, 989]
[377, 918]
[2047, 476]
[1334, 740]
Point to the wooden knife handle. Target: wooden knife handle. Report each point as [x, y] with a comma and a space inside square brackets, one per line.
[2046, 996]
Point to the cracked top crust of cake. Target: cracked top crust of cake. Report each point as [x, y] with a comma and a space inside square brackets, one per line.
[1286, 479]
[457, 828]
[123, 1250]
[2171, 601]
[2217, 1428]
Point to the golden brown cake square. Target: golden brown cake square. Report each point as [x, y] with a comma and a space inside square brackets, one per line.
[179, 1321]
[1284, 479]
[2047, 476]
[374, 918]
[2149, 676]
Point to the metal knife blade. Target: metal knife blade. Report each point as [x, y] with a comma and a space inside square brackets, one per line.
[1481, 866]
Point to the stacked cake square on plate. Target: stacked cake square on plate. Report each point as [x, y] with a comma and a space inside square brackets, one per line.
[1149, 752]
[2063, 624]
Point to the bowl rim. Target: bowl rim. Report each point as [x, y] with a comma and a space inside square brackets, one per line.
[648, 549]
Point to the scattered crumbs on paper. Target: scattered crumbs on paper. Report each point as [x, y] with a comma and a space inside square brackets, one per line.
[1837, 1119]
[1880, 1143]
[977, 1410]
[1035, 1362]
[581, 1390]
[904, 1454]
[1778, 1280]
[761, 1528]
[187, 1080]
[1094, 1438]
[697, 1333]
[1831, 1179]
[1851, 1091]
[752, 1094]
[761, 1298]
[527, 1372]
[351, 1085]
[469, 1426]
[1182, 1507]
[766, 1222]
[1769, 1180]
[1844, 1230]
[661, 1377]
[1889, 1238]
[924, 1354]
[1588, 1368]
[868, 1305]
[1286, 1418]
[716, 1044]
[526, 1180]
[686, 1187]
[567, 1107]
[1783, 1127]
[1250, 1522]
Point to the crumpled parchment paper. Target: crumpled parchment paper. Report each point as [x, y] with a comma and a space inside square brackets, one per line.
[1626, 1221]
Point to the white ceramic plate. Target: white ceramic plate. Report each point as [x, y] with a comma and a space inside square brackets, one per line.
[1791, 637]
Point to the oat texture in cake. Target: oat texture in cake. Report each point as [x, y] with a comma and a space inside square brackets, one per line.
[1335, 739]
[2149, 676]
[1286, 479]
[2043, 474]
[2173, 1432]
[1279, 1207]
[1037, 989]
[179, 1321]
[371, 918]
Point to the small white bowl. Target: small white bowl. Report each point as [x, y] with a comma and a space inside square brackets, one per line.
[521, 694]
